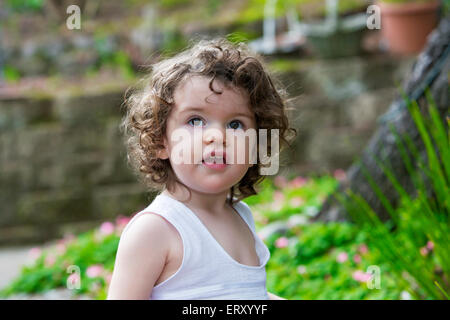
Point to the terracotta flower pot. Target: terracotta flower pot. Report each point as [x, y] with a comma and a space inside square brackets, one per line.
[405, 26]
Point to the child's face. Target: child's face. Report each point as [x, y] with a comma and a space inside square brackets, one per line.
[229, 110]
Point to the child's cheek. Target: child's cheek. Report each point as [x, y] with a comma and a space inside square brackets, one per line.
[196, 147]
[243, 149]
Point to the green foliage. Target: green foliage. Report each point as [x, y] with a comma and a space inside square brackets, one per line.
[445, 8]
[110, 57]
[11, 74]
[278, 199]
[418, 248]
[213, 6]
[241, 36]
[173, 41]
[95, 249]
[317, 8]
[284, 65]
[326, 261]
[25, 5]
[254, 11]
[170, 4]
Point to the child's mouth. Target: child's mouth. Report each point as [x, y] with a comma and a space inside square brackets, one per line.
[214, 163]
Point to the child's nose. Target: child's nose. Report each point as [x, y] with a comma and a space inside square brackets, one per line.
[214, 135]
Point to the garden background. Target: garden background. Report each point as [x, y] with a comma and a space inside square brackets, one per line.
[66, 191]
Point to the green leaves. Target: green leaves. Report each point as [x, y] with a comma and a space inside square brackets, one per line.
[93, 253]
[419, 245]
[322, 261]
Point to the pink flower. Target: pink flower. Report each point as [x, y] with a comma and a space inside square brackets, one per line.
[95, 286]
[278, 196]
[342, 257]
[430, 245]
[281, 242]
[74, 279]
[61, 248]
[108, 278]
[280, 181]
[424, 251]
[276, 206]
[49, 260]
[106, 228]
[296, 201]
[94, 270]
[122, 221]
[363, 249]
[357, 258]
[34, 253]
[360, 276]
[340, 174]
[298, 182]
[67, 238]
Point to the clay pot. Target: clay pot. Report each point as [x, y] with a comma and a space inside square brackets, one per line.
[405, 26]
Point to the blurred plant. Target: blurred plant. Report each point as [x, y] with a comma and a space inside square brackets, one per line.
[11, 74]
[170, 4]
[110, 56]
[415, 240]
[242, 36]
[279, 198]
[173, 40]
[25, 5]
[445, 8]
[327, 261]
[254, 11]
[93, 253]
[317, 8]
[213, 6]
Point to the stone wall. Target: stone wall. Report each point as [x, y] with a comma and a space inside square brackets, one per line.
[62, 166]
[62, 160]
[337, 103]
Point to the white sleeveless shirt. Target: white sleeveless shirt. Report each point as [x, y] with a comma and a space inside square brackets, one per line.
[207, 270]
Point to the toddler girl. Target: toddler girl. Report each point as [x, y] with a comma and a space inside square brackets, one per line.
[197, 238]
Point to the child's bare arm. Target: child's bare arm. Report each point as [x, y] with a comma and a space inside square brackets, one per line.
[140, 258]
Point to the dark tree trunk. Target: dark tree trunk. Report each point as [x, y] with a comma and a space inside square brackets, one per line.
[430, 70]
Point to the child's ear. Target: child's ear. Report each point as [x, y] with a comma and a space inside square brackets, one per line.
[163, 153]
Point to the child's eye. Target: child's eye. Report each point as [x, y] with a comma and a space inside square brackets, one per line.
[235, 124]
[196, 121]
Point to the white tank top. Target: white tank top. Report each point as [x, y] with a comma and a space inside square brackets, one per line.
[207, 270]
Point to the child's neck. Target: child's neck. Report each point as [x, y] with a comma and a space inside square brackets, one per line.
[207, 202]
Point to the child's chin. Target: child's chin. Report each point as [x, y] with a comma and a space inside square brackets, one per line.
[213, 185]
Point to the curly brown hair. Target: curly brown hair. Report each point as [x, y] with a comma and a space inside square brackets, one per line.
[148, 107]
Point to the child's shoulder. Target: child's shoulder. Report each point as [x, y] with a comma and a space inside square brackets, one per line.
[245, 208]
[143, 253]
[245, 205]
[148, 229]
[247, 213]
